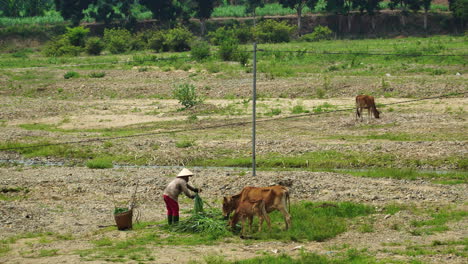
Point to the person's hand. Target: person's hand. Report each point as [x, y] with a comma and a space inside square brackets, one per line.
[197, 190]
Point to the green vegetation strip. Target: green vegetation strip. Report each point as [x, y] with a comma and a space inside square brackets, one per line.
[312, 221]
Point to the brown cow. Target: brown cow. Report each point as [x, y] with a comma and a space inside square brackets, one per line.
[275, 198]
[366, 102]
[247, 210]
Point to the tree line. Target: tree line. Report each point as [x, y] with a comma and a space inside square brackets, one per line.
[170, 12]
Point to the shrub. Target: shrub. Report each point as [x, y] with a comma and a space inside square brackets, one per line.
[118, 40]
[156, 42]
[97, 74]
[94, 46]
[77, 35]
[200, 50]
[71, 74]
[61, 46]
[178, 39]
[271, 31]
[221, 35]
[243, 57]
[187, 95]
[320, 33]
[228, 50]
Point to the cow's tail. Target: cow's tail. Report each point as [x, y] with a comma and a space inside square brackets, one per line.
[288, 201]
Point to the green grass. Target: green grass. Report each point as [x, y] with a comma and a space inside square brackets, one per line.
[450, 177]
[314, 221]
[41, 238]
[100, 163]
[438, 220]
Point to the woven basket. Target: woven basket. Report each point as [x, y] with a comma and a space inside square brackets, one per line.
[124, 220]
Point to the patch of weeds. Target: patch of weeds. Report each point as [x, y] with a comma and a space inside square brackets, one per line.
[299, 109]
[439, 71]
[13, 193]
[185, 143]
[97, 74]
[143, 69]
[325, 107]
[440, 217]
[394, 208]
[273, 112]
[100, 163]
[192, 118]
[71, 74]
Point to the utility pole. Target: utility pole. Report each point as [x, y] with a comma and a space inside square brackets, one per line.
[254, 106]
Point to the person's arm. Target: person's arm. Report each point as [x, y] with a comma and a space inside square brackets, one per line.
[184, 186]
[193, 189]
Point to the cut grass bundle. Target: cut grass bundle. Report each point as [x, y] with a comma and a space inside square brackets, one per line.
[209, 223]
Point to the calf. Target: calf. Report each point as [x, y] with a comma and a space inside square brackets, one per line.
[275, 198]
[366, 102]
[247, 210]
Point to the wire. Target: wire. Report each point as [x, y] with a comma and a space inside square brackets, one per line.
[222, 125]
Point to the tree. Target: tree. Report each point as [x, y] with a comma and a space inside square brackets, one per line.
[372, 7]
[167, 11]
[73, 9]
[459, 9]
[426, 4]
[341, 7]
[36, 7]
[109, 10]
[251, 7]
[203, 10]
[298, 5]
[11, 8]
[405, 6]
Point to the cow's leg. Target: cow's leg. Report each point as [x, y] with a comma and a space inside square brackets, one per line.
[250, 223]
[287, 217]
[368, 115]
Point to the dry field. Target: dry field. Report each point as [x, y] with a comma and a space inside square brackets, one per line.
[63, 213]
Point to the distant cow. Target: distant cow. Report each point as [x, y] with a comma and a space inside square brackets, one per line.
[275, 198]
[366, 102]
[246, 211]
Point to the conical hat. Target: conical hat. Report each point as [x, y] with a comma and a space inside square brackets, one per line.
[184, 173]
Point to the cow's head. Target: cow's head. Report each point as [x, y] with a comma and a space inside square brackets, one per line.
[228, 206]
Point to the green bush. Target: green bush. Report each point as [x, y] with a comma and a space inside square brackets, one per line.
[320, 33]
[200, 50]
[118, 40]
[187, 95]
[228, 50]
[77, 35]
[71, 74]
[178, 39]
[221, 35]
[156, 42]
[61, 46]
[271, 31]
[94, 46]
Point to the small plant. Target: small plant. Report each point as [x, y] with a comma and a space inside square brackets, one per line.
[187, 95]
[320, 93]
[71, 74]
[97, 74]
[273, 112]
[298, 109]
[99, 163]
[119, 210]
[184, 144]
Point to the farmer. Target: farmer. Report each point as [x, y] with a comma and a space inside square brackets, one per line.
[172, 191]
